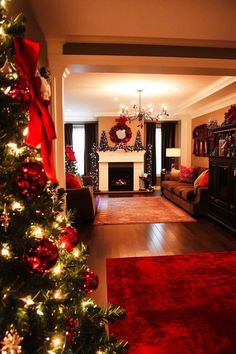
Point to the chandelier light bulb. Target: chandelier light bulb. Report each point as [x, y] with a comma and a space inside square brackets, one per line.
[141, 114]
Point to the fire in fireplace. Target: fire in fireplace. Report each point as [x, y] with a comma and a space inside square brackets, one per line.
[121, 176]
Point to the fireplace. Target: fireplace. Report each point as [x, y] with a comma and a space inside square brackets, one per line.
[120, 175]
[134, 158]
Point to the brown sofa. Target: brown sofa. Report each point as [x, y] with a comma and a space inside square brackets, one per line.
[184, 195]
[82, 202]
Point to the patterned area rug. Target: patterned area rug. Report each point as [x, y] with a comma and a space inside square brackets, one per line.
[133, 210]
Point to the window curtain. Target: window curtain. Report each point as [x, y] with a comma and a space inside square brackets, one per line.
[168, 141]
[91, 137]
[68, 134]
[151, 139]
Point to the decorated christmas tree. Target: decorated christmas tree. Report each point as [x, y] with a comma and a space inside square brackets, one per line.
[44, 280]
[70, 160]
[103, 145]
[138, 146]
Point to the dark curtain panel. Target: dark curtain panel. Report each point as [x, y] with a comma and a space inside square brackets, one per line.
[91, 137]
[168, 141]
[151, 139]
[68, 134]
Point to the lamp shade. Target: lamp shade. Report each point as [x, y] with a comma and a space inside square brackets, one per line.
[173, 152]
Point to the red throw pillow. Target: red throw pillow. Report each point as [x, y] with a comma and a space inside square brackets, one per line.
[187, 174]
[72, 181]
[203, 182]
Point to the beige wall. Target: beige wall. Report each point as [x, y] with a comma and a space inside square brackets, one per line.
[33, 30]
[219, 115]
[106, 123]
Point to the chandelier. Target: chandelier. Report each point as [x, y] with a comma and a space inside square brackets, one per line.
[141, 114]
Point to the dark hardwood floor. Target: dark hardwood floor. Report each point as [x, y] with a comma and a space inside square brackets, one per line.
[135, 240]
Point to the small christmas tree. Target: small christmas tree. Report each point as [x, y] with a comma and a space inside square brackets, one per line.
[138, 142]
[45, 282]
[103, 145]
[70, 160]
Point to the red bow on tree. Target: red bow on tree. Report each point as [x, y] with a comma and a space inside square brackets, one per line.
[70, 154]
[41, 126]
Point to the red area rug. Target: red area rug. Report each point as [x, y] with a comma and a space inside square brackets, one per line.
[183, 304]
[133, 210]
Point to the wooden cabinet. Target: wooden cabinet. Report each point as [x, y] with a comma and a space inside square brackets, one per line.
[222, 176]
[222, 190]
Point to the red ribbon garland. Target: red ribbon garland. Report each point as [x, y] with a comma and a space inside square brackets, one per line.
[41, 126]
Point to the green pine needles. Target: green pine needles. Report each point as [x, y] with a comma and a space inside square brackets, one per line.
[44, 279]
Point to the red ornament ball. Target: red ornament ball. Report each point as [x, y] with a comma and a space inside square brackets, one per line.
[20, 94]
[32, 179]
[69, 239]
[43, 257]
[91, 282]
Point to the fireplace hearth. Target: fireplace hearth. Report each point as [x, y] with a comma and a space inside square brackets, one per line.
[120, 175]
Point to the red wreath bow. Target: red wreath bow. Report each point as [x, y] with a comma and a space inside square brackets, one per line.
[122, 120]
[41, 126]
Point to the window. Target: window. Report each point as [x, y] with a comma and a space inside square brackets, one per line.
[78, 146]
[158, 151]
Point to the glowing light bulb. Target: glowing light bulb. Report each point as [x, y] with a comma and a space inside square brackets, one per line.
[57, 294]
[57, 270]
[63, 245]
[76, 253]
[25, 131]
[17, 206]
[59, 218]
[6, 91]
[5, 252]
[56, 341]
[3, 3]
[14, 150]
[28, 301]
[38, 232]
[12, 145]
[39, 311]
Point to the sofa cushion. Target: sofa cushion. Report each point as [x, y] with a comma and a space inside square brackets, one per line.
[185, 191]
[72, 181]
[204, 180]
[169, 185]
[174, 174]
[201, 180]
[187, 174]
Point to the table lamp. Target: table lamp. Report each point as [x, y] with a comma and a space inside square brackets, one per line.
[173, 153]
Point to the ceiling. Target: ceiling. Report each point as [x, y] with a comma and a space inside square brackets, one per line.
[90, 95]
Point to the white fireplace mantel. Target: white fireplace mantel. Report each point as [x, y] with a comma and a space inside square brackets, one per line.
[137, 157]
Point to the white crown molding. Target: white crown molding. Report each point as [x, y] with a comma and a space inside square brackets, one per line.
[208, 91]
[214, 106]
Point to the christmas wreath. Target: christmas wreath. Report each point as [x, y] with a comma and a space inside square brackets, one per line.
[120, 132]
